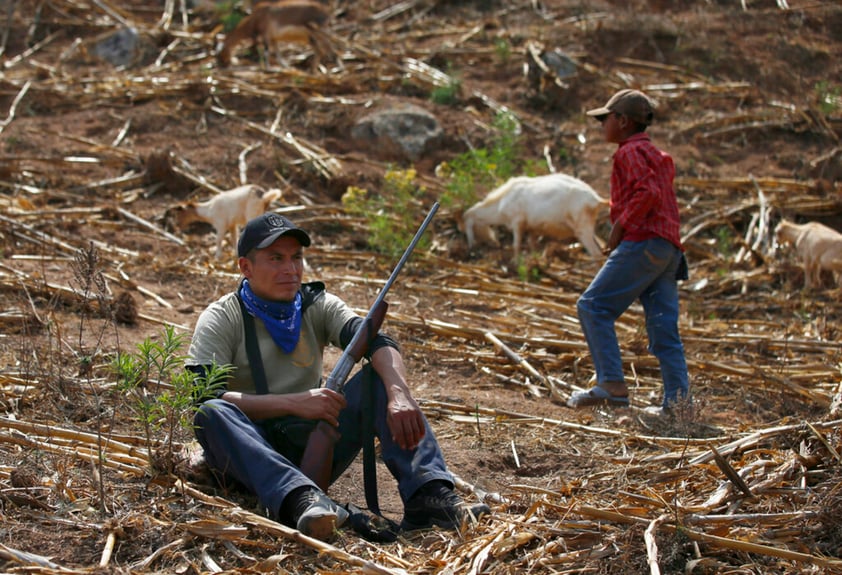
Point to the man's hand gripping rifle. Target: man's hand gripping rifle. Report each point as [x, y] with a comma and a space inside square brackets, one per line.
[317, 461]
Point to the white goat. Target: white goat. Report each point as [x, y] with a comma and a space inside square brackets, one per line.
[226, 212]
[817, 246]
[555, 205]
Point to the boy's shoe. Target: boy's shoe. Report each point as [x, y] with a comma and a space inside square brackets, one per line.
[597, 395]
[320, 516]
[683, 411]
[437, 504]
[659, 412]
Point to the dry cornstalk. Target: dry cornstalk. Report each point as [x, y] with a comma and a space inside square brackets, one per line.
[483, 495]
[13, 108]
[759, 549]
[110, 541]
[481, 550]
[505, 416]
[607, 515]
[72, 436]
[138, 468]
[150, 226]
[510, 353]
[730, 473]
[319, 158]
[531, 389]
[753, 519]
[748, 184]
[29, 559]
[652, 544]
[215, 528]
[821, 437]
[126, 282]
[183, 168]
[37, 237]
[759, 436]
[273, 528]
[145, 563]
[394, 10]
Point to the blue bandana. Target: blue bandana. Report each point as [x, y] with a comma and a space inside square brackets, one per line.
[282, 319]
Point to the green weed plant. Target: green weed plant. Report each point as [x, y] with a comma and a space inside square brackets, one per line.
[447, 95]
[391, 216]
[503, 50]
[829, 95]
[483, 169]
[163, 394]
[229, 14]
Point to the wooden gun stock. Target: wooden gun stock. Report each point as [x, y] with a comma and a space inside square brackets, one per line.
[317, 461]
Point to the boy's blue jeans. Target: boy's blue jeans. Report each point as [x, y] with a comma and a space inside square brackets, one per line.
[647, 271]
[240, 449]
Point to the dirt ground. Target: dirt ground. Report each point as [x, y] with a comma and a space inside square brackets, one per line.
[750, 107]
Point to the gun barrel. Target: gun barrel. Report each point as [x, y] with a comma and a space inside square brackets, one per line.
[317, 460]
[378, 307]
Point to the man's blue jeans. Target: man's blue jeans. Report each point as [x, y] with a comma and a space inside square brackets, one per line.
[647, 271]
[240, 449]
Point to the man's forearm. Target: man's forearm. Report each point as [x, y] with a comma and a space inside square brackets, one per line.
[257, 407]
[388, 364]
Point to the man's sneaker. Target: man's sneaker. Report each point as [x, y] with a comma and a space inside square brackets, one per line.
[319, 516]
[437, 504]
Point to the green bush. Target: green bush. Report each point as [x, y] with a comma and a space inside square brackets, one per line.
[447, 95]
[163, 394]
[829, 95]
[229, 14]
[392, 216]
[483, 169]
[503, 50]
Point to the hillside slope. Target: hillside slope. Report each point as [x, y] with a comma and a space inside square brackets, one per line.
[93, 156]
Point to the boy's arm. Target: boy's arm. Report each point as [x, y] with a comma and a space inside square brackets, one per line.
[614, 239]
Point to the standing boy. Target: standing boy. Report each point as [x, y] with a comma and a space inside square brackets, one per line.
[645, 258]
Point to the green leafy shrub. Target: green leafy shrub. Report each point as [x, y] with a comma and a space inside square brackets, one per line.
[447, 95]
[392, 216]
[486, 168]
[163, 394]
[503, 50]
[229, 14]
[829, 95]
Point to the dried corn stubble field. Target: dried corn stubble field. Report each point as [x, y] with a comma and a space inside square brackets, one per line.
[93, 155]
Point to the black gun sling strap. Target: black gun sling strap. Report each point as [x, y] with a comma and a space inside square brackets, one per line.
[258, 375]
[262, 388]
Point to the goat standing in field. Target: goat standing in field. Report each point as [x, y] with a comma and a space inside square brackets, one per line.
[271, 23]
[555, 205]
[817, 246]
[226, 212]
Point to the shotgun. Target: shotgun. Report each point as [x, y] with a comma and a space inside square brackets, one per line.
[317, 460]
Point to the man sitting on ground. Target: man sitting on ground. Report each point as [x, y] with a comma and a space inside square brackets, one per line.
[254, 429]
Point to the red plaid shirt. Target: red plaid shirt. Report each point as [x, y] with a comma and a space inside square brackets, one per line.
[642, 195]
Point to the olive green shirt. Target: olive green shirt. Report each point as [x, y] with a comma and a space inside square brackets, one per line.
[219, 338]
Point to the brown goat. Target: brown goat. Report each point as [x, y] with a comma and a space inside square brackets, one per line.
[271, 23]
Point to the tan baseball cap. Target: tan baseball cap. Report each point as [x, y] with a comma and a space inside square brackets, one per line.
[633, 104]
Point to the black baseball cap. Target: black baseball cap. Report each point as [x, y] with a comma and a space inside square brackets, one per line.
[263, 230]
